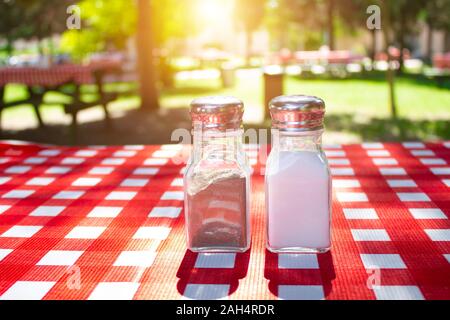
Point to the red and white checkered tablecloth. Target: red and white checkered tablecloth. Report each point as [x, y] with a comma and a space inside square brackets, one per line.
[54, 76]
[107, 223]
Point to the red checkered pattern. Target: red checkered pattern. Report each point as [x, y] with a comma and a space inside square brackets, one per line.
[107, 223]
[54, 76]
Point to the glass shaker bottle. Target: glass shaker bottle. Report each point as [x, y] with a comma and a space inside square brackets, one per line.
[217, 178]
[298, 182]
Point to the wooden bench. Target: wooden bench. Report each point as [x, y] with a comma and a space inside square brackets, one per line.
[77, 104]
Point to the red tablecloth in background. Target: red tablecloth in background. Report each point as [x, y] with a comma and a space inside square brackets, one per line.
[55, 75]
[108, 223]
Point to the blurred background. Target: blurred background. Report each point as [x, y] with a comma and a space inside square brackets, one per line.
[124, 71]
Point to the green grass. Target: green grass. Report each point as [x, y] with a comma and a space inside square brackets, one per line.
[364, 98]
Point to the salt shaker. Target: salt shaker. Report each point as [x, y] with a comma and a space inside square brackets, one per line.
[298, 183]
[217, 178]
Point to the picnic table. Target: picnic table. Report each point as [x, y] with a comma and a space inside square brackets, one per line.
[107, 223]
[39, 81]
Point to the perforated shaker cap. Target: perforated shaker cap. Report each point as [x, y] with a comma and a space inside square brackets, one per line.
[297, 113]
[217, 112]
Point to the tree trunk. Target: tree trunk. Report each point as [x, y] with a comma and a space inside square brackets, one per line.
[144, 38]
[401, 42]
[330, 22]
[430, 43]
[390, 74]
[373, 53]
[447, 41]
[9, 46]
[248, 46]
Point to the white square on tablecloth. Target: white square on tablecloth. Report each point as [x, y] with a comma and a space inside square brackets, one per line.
[413, 196]
[155, 161]
[18, 194]
[206, 291]
[40, 181]
[105, 212]
[72, 160]
[172, 146]
[342, 172]
[378, 153]
[382, 261]
[134, 182]
[101, 170]
[441, 171]
[114, 291]
[432, 161]
[438, 234]
[113, 161]
[121, 195]
[384, 161]
[297, 261]
[370, 235]
[17, 169]
[49, 153]
[173, 195]
[360, 214]
[413, 145]
[392, 171]
[4, 253]
[4, 180]
[335, 153]
[427, 214]
[339, 162]
[68, 195]
[446, 182]
[47, 211]
[125, 153]
[3, 208]
[81, 232]
[300, 292]
[177, 182]
[35, 160]
[215, 260]
[58, 170]
[372, 145]
[397, 293]
[403, 183]
[60, 258]
[346, 183]
[447, 256]
[135, 259]
[134, 147]
[21, 231]
[28, 290]
[86, 182]
[165, 212]
[165, 153]
[422, 153]
[156, 233]
[85, 153]
[351, 197]
[4, 160]
[142, 171]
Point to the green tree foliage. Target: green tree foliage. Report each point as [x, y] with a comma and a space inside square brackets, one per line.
[106, 25]
[173, 19]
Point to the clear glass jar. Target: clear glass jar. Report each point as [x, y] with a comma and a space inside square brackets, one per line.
[217, 178]
[298, 180]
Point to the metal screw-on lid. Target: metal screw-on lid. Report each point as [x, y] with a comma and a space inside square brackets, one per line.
[297, 113]
[217, 112]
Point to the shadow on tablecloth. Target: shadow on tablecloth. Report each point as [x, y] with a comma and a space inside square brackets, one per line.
[289, 276]
[211, 278]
